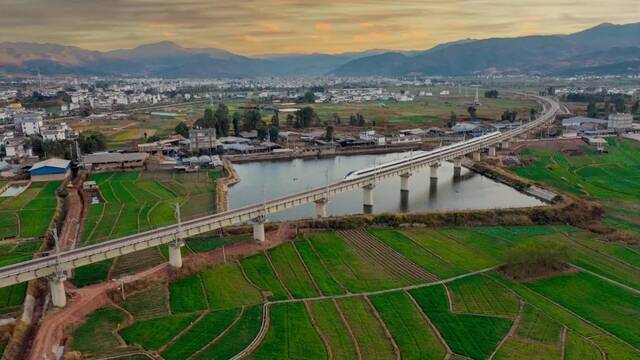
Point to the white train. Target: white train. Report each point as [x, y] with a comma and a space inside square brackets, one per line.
[418, 157]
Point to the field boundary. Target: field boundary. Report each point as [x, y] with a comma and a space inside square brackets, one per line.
[387, 333]
[222, 334]
[512, 331]
[610, 281]
[348, 327]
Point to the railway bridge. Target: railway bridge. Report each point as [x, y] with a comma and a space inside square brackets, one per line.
[56, 266]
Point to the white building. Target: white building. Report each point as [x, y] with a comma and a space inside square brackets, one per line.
[54, 132]
[620, 121]
[28, 123]
[371, 135]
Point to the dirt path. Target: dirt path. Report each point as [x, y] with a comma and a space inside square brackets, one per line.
[70, 233]
[512, 331]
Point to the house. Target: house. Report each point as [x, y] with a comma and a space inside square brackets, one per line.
[28, 123]
[50, 170]
[114, 160]
[54, 132]
[371, 135]
[405, 139]
[202, 139]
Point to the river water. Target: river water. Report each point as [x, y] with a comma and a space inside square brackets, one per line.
[267, 180]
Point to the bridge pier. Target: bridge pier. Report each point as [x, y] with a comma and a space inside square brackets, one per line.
[175, 254]
[404, 182]
[505, 145]
[321, 208]
[457, 167]
[367, 198]
[258, 229]
[476, 156]
[56, 285]
[434, 170]
[492, 151]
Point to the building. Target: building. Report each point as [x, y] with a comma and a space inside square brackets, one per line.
[578, 122]
[405, 139]
[371, 135]
[114, 160]
[202, 139]
[15, 148]
[28, 123]
[620, 121]
[50, 170]
[599, 143]
[54, 132]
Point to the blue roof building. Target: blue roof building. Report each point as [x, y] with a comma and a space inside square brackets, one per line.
[50, 170]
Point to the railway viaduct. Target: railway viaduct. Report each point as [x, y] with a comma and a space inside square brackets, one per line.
[55, 266]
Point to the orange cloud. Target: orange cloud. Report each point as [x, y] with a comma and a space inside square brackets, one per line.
[323, 26]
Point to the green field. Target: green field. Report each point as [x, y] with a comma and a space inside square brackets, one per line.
[28, 214]
[217, 313]
[136, 201]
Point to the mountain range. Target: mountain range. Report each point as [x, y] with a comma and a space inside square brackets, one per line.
[601, 50]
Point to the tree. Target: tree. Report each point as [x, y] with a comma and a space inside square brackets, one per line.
[509, 115]
[262, 133]
[328, 133]
[237, 119]
[153, 138]
[305, 117]
[273, 134]
[182, 129]
[206, 122]
[37, 146]
[221, 120]
[275, 119]
[92, 141]
[535, 258]
[472, 112]
[619, 104]
[290, 119]
[308, 98]
[252, 119]
[336, 119]
[491, 94]
[360, 120]
[453, 119]
[592, 111]
[353, 121]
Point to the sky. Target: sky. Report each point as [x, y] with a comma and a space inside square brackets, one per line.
[253, 27]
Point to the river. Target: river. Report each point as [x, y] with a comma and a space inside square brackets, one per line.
[267, 180]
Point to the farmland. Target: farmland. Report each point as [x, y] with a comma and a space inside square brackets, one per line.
[218, 312]
[28, 215]
[135, 202]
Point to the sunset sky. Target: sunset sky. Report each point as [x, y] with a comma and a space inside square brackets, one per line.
[283, 26]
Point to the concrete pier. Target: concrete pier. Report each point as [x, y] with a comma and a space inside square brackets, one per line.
[492, 151]
[477, 156]
[175, 254]
[404, 182]
[367, 198]
[258, 230]
[457, 167]
[321, 208]
[434, 171]
[505, 145]
[58, 295]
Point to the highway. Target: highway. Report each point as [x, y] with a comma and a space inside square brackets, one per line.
[55, 264]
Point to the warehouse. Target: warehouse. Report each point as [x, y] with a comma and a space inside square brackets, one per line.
[50, 170]
[113, 161]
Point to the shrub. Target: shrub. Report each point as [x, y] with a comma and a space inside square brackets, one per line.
[536, 258]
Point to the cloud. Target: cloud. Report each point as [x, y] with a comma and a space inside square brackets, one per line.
[259, 26]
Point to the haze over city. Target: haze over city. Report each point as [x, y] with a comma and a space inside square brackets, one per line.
[293, 26]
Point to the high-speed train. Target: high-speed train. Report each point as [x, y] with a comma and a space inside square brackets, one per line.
[417, 157]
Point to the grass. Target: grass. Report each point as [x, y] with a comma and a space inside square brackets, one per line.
[579, 348]
[610, 307]
[482, 295]
[137, 261]
[419, 255]
[149, 303]
[209, 243]
[152, 334]
[469, 335]
[96, 335]
[260, 273]
[332, 327]
[537, 336]
[187, 295]
[237, 338]
[200, 334]
[12, 297]
[292, 272]
[320, 274]
[367, 330]
[348, 267]
[613, 347]
[226, 288]
[291, 335]
[535, 325]
[451, 251]
[409, 330]
[33, 208]
[91, 274]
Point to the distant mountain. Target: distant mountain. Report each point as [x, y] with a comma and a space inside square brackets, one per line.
[529, 54]
[603, 49]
